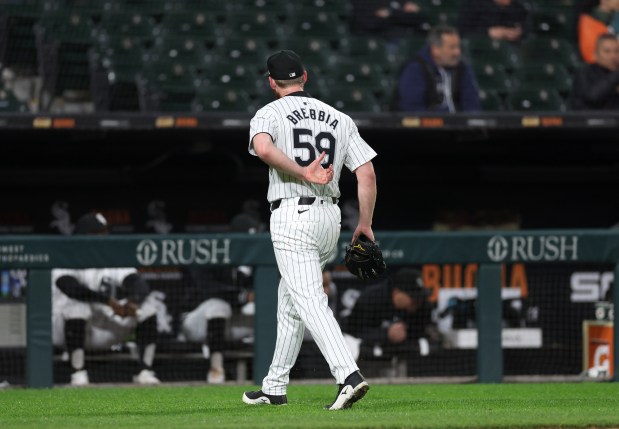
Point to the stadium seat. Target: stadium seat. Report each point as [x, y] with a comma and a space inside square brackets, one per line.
[493, 77]
[247, 49]
[315, 52]
[352, 100]
[323, 24]
[17, 39]
[554, 22]
[195, 24]
[253, 24]
[10, 103]
[181, 48]
[218, 99]
[154, 8]
[546, 75]
[535, 100]
[115, 63]
[483, 49]
[491, 101]
[541, 49]
[342, 8]
[131, 24]
[235, 74]
[279, 8]
[352, 73]
[88, 8]
[165, 86]
[63, 40]
[216, 8]
[367, 49]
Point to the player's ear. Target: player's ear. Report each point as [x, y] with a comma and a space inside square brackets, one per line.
[304, 76]
[272, 83]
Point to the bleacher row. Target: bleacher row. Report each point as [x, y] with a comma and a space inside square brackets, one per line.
[209, 55]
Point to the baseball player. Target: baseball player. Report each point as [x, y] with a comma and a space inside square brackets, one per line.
[306, 143]
[96, 308]
[206, 324]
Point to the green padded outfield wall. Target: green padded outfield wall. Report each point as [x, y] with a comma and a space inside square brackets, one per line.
[489, 249]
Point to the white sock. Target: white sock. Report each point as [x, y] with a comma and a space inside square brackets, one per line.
[77, 359]
[149, 355]
[217, 360]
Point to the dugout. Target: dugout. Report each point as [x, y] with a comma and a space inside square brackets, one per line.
[154, 175]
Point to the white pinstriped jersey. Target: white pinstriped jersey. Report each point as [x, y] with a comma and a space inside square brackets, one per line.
[303, 127]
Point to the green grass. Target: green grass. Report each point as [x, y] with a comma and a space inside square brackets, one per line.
[535, 405]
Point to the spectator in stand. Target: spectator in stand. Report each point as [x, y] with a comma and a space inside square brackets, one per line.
[438, 80]
[596, 17]
[498, 19]
[390, 20]
[596, 85]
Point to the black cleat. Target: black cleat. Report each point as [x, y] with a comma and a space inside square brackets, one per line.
[258, 397]
[354, 388]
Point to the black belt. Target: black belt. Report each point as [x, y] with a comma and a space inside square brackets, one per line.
[303, 201]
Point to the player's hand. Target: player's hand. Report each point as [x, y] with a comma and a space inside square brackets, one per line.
[118, 308]
[316, 173]
[363, 230]
[130, 309]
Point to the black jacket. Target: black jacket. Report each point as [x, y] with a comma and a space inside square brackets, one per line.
[374, 312]
[477, 16]
[398, 24]
[595, 88]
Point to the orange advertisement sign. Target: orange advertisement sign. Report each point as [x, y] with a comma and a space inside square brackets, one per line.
[598, 348]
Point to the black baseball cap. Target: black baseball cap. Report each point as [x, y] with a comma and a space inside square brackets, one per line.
[285, 65]
[91, 223]
[409, 281]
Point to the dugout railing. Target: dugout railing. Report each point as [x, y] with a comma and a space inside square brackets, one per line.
[490, 249]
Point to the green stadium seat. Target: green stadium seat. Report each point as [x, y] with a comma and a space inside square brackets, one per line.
[483, 49]
[10, 103]
[352, 73]
[315, 52]
[115, 63]
[63, 40]
[279, 8]
[253, 24]
[133, 24]
[195, 24]
[491, 101]
[554, 22]
[342, 8]
[493, 77]
[535, 100]
[165, 86]
[541, 49]
[217, 99]
[352, 100]
[154, 8]
[368, 49]
[216, 8]
[17, 39]
[182, 48]
[545, 76]
[235, 74]
[246, 49]
[88, 8]
[324, 24]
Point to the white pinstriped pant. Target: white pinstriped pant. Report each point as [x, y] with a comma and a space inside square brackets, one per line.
[303, 243]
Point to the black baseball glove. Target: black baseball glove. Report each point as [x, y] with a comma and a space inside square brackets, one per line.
[364, 259]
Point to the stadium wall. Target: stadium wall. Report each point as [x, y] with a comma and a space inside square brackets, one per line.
[488, 249]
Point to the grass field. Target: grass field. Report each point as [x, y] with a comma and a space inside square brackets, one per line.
[521, 405]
